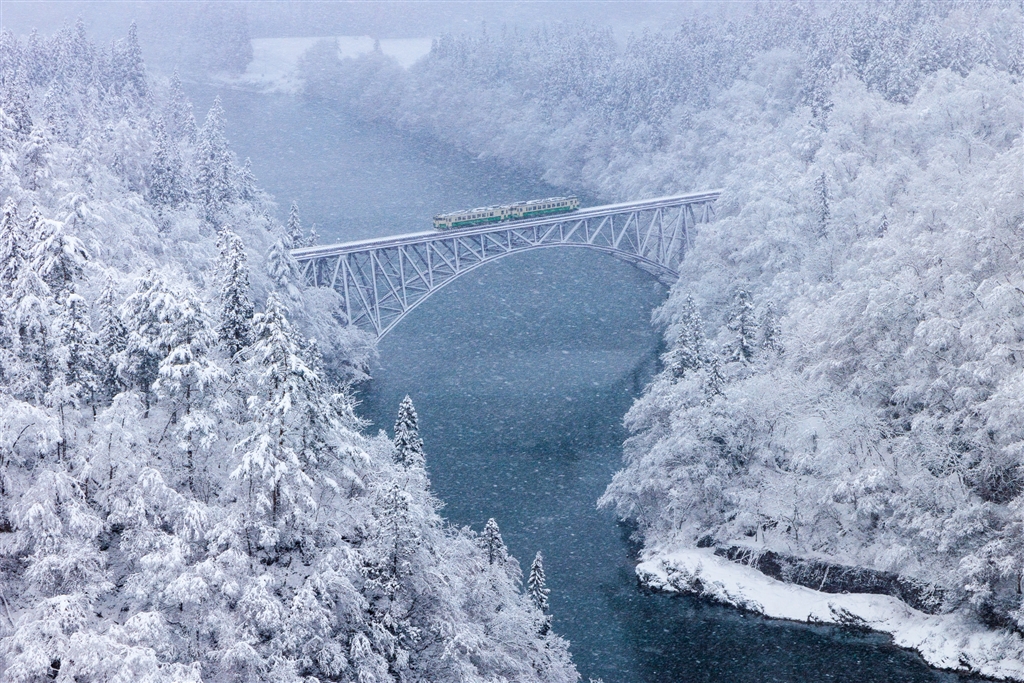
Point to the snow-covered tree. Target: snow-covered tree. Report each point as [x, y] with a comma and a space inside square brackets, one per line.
[112, 340]
[277, 467]
[247, 186]
[127, 69]
[12, 247]
[30, 312]
[714, 382]
[536, 588]
[15, 103]
[492, 543]
[76, 354]
[771, 333]
[822, 210]
[408, 444]
[236, 308]
[283, 268]
[214, 182]
[398, 537]
[146, 314]
[187, 376]
[743, 345]
[689, 351]
[58, 257]
[536, 585]
[36, 158]
[180, 121]
[294, 227]
[167, 183]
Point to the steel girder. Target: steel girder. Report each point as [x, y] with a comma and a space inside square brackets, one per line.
[383, 280]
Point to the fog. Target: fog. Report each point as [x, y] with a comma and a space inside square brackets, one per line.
[175, 34]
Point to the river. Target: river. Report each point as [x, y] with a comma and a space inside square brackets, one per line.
[521, 372]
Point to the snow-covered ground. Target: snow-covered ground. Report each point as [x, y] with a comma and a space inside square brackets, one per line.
[275, 62]
[946, 641]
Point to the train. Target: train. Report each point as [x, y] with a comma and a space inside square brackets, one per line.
[506, 212]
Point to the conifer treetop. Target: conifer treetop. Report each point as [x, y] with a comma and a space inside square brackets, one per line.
[536, 584]
[408, 444]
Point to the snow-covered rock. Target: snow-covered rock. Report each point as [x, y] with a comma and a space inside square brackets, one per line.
[947, 641]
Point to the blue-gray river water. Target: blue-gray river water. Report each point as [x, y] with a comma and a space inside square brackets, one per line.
[521, 372]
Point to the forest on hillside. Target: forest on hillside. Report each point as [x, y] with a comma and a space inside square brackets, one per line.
[186, 493]
[844, 375]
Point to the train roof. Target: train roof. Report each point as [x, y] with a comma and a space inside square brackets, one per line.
[528, 202]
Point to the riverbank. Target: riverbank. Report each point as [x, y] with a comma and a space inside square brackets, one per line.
[946, 641]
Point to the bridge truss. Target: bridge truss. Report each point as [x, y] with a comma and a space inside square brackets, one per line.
[382, 280]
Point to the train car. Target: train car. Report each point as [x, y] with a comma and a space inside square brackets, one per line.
[505, 212]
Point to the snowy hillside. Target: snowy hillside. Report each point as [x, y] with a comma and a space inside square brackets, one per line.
[185, 493]
[844, 375]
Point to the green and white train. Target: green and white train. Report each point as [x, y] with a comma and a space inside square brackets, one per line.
[506, 212]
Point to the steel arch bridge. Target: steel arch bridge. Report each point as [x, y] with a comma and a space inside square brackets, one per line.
[382, 280]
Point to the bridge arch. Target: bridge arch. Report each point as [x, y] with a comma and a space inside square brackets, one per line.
[382, 280]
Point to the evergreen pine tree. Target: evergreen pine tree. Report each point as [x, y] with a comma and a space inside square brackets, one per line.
[128, 70]
[277, 461]
[294, 227]
[74, 377]
[282, 268]
[214, 183]
[112, 340]
[58, 257]
[493, 545]
[397, 539]
[167, 186]
[12, 247]
[35, 155]
[247, 188]
[536, 585]
[536, 588]
[77, 361]
[714, 382]
[56, 111]
[34, 229]
[236, 307]
[741, 322]
[408, 444]
[12, 260]
[38, 62]
[181, 122]
[144, 313]
[689, 351]
[15, 102]
[771, 333]
[81, 53]
[822, 212]
[187, 374]
[30, 310]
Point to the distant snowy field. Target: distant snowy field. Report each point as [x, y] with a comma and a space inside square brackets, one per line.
[946, 641]
[274, 67]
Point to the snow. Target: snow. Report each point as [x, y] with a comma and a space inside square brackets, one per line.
[946, 641]
[275, 63]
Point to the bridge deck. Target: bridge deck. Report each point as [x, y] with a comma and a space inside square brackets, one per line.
[382, 279]
[309, 253]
